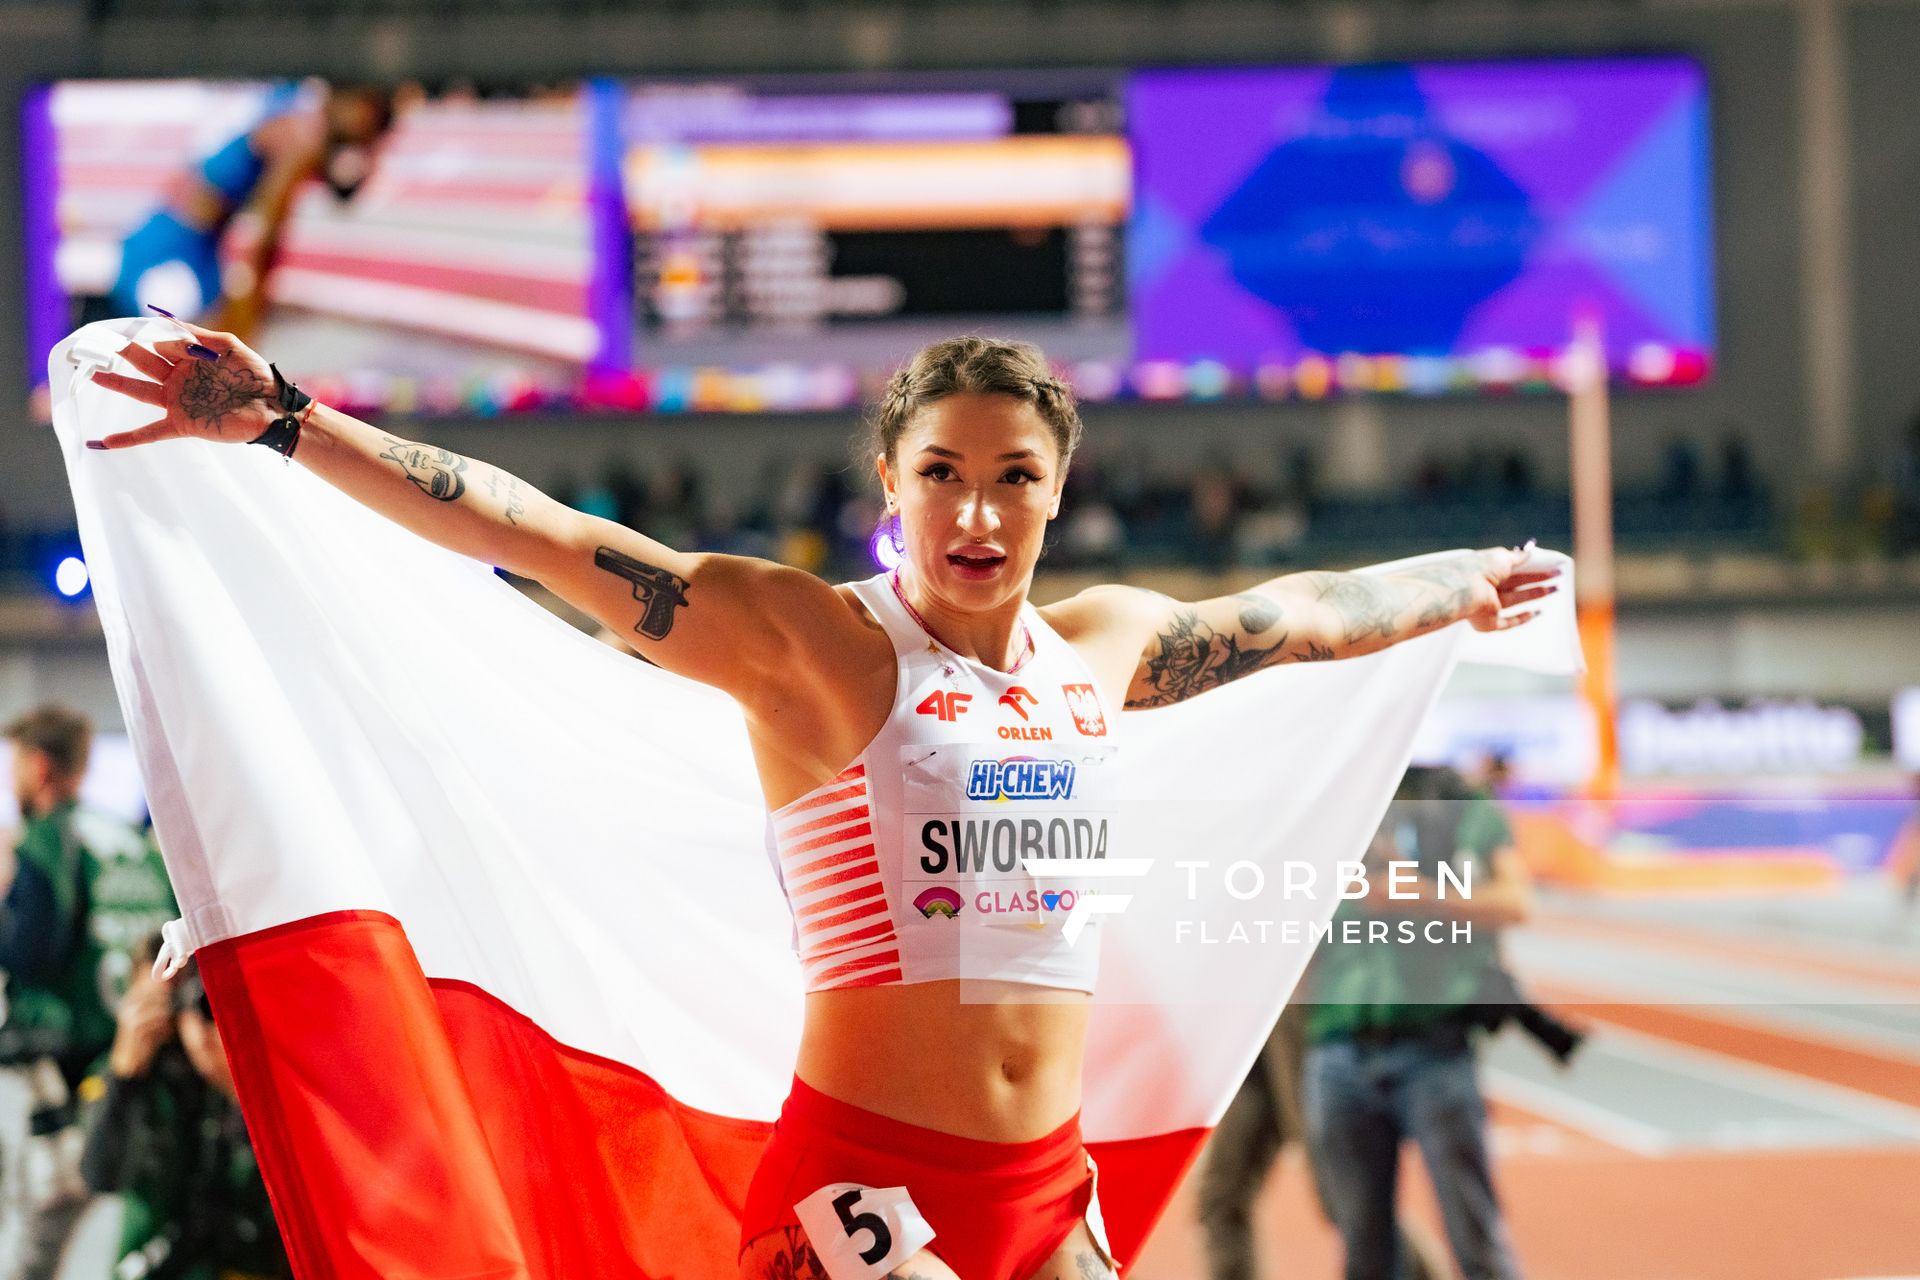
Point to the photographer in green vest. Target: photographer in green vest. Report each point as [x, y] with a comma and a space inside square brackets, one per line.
[78, 889]
[165, 1133]
[1394, 997]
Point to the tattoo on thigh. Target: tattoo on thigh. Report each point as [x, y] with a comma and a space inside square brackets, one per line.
[434, 472]
[1091, 1267]
[789, 1258]
[658, 591]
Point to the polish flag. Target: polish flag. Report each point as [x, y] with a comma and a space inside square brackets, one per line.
[484, 906]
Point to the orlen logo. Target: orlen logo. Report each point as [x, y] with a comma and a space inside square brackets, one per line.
[1020, 778]
[938, 901]
[1012, 698]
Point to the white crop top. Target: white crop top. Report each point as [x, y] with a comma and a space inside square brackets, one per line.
[910, 866]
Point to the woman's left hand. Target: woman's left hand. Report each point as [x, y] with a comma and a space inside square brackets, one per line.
[1503, 584]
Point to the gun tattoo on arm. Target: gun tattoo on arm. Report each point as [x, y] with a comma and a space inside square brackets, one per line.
[434, 472]
[659, 591]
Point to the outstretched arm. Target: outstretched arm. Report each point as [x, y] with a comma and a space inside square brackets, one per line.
[1185, 649]
[729, 621]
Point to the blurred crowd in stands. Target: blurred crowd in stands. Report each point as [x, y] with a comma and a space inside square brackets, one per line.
[1214, 512]
[1256, 509]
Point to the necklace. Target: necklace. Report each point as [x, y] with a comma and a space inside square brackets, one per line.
[1026, 636]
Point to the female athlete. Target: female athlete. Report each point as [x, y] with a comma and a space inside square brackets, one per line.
[921, 737]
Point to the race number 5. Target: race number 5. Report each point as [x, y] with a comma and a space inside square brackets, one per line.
[855, 1223]
[862, 1233]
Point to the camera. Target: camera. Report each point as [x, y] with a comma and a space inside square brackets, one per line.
[1500, 998]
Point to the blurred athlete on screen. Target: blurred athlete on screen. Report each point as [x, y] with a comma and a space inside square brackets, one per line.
[241, 194]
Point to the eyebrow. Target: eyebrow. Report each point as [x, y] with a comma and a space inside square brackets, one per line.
[1015, 456]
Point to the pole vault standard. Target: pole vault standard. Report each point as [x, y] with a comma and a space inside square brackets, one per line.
[1591, 471]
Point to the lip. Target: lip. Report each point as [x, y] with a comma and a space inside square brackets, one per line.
[976, 564]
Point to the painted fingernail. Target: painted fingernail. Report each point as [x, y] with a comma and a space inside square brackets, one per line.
[199, 352]
[163, 311]
[96, 444]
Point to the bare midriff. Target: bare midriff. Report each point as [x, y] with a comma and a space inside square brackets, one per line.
[996, 1061]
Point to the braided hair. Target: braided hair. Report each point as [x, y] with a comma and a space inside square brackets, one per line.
[979, 366]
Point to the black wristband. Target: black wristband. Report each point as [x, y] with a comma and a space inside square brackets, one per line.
[283, 433]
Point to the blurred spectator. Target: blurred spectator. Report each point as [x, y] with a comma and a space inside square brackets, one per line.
[81, 888]
[1273, 532]
[1213, 514]
[1516, 475]
[1125, 473]
[564, 489]
[1493, 776]
[1389, 1028]
[593, 498]
[1091, 532]
[1737, 480]
[164, 1130]
[1303, 477]
[673, 506]
[1431, 479]
[628, 490]
[1479, 472]
[1906, 491]
[1680, 471]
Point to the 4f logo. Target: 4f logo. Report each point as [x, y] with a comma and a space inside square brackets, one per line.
[945, 705]
[1014, 696]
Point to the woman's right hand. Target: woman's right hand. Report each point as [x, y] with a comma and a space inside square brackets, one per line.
[214, 387]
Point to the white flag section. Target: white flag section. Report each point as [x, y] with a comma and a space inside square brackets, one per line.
[484, 905]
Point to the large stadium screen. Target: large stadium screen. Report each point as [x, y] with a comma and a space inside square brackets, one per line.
[1421, 227]
[790, 248]
[783, 244]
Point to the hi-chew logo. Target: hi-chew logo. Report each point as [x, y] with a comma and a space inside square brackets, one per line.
[1020, 778]
[938, 901]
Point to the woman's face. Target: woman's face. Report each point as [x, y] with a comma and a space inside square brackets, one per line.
[974, 480]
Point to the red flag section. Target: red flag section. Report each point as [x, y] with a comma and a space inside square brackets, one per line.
[412, 1128]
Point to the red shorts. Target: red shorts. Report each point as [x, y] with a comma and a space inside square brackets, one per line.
[868, 1192]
